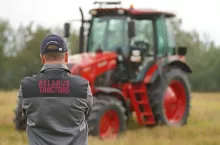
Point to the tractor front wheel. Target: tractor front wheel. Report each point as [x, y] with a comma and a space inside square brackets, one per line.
[170, 98]
[107, 118]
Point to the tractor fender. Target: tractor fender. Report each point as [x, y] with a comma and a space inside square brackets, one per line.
[99, 91]
[176, 63]
[182, 65]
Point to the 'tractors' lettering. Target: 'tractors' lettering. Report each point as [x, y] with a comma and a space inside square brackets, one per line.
[64, 90]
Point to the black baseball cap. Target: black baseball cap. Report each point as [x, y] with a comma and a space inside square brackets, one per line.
[53, 43]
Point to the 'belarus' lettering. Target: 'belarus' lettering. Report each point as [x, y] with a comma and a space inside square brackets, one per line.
[54, 86]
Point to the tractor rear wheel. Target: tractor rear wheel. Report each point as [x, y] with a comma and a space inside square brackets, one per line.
[107, 117]
[170, 98]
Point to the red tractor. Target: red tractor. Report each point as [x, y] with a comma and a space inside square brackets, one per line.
[133, 65]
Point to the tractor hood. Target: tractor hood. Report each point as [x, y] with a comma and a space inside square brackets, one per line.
[97, 63]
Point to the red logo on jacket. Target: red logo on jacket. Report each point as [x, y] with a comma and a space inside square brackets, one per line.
[54, 86]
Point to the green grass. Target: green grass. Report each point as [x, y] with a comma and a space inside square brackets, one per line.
[203, 126]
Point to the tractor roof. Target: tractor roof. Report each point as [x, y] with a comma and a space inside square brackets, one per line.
[131, 11]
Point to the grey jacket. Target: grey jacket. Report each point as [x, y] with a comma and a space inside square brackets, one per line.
[57, 105]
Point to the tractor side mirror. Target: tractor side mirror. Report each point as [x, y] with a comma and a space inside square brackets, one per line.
[131, 29]
[182, 50]
[66, 30]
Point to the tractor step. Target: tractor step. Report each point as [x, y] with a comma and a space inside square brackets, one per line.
[141, 105]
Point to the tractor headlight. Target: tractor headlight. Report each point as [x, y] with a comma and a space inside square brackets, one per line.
[121, 11]
[93, 12]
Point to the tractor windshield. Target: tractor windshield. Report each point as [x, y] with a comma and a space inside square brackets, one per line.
[108, 33]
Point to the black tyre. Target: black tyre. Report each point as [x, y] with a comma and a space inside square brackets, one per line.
[107, 117]
[170, 98]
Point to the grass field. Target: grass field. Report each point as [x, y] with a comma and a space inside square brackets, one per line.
[203, 126]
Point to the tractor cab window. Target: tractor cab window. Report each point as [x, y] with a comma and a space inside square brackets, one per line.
[142, 45]
[108, 33]
[144, 36]
[115, 33]
[97, 32]
[170, 36]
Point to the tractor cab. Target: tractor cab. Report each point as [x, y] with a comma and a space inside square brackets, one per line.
[128, 29]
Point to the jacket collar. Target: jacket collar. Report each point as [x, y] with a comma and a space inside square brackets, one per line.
[54, 66]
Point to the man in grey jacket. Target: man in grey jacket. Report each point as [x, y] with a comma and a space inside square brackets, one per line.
[54, 102]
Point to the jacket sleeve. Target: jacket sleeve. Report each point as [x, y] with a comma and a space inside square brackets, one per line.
[89, 100]
[19, 116]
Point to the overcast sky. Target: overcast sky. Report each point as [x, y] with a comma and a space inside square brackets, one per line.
[201, 15]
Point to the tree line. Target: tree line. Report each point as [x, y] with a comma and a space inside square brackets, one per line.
[20, 48]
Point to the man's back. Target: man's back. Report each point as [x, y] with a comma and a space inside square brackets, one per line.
[56, 104]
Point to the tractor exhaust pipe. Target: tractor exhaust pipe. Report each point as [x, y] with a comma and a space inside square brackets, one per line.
[81, 34]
